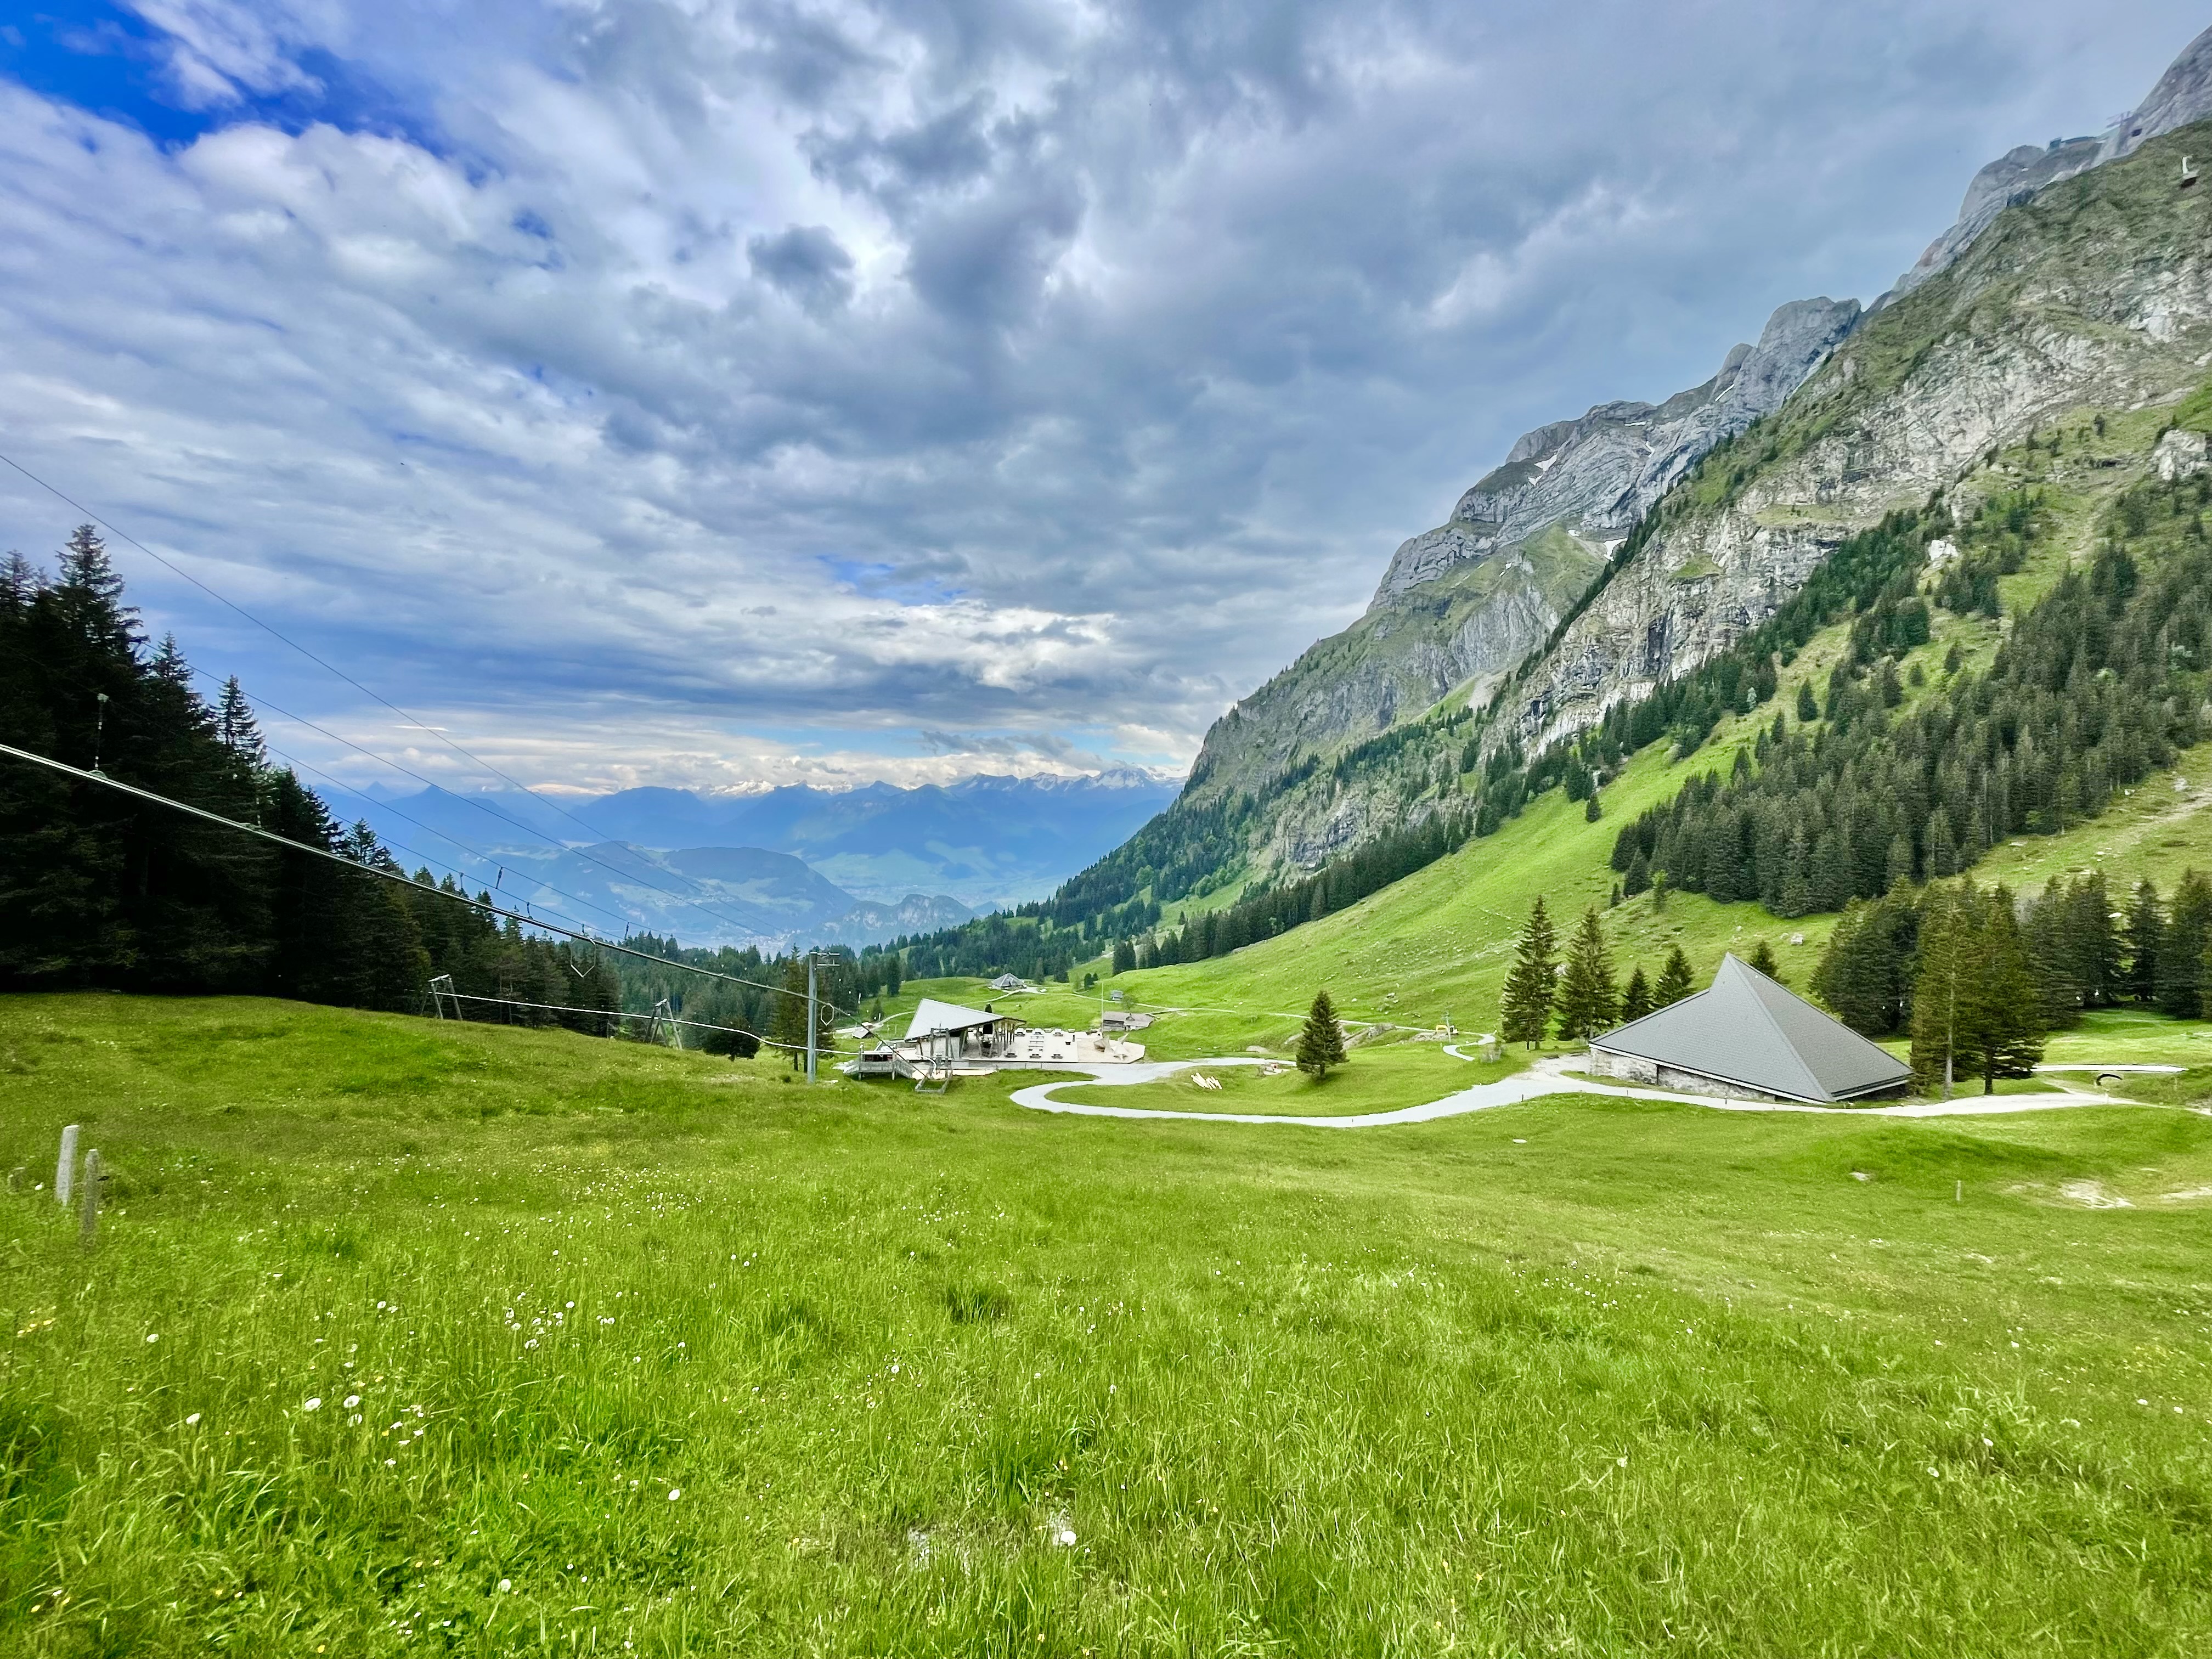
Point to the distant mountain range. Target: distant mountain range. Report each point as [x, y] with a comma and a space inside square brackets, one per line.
[837, 867]
[708, 895]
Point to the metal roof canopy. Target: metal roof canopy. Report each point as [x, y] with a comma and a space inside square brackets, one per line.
[934, 1017]
[1748, 1029]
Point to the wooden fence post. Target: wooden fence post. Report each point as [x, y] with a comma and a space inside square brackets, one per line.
[65, 1167]
[89, 1226]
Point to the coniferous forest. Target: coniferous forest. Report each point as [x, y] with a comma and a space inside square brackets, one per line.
[101, 890]
[2097, 685]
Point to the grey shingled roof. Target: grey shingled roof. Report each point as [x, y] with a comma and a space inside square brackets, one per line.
[1748, 1030]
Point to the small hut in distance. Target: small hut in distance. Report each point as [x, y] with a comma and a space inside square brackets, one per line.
[1748, 1038]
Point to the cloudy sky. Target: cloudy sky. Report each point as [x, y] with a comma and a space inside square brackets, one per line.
[722, 391]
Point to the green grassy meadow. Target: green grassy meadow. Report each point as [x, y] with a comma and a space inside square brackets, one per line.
[612, 1349]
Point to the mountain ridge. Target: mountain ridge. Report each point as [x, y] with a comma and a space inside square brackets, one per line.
[985, 841]
[1661, 603]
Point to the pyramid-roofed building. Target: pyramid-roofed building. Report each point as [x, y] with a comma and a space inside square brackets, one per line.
[1748, 1037]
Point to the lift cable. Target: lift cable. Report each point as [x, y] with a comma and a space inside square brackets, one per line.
[274, 632]
[399, 875]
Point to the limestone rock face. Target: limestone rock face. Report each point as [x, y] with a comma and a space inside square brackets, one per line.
[1462, 605]
[1598, 475]
[2088, 300]
[2182, 455]
[2182, 96]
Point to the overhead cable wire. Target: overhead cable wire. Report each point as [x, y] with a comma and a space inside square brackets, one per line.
[400, 876]
[584, 852]
[616, 1013]
[446, 864]
[275, 633]
[443, 864]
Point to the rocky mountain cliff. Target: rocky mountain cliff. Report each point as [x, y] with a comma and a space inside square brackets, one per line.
[1461, 605]
[2096, 294]
[2067, 282]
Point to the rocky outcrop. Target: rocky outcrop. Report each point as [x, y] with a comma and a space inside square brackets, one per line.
[2013, 176]
[2084, 300]
[1598, 475]
[2182, 97]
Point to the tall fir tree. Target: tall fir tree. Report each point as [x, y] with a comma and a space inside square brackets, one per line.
[1321, 1039]
[1675, 980]
[2146, 927]
[1762, 958]
[1635, 1000]
[790, 1020]
[2182, 946]
[1525, 1007]
[2011, 1011]
[1944, 993]
[1865, 975]
[1588, 1003]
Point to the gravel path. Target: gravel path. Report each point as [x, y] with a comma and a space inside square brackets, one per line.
[1545, 1077]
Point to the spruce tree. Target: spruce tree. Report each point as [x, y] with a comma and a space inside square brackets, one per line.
[2010, 1011]
[1808, 709]
[1587, 1002]
[1762, 958]
[1525, 1009]
[2181, 948]
[789, 1027]
[1674, 979]
[236, 728]
[1320, 1040]
[1976, 1008]
[1944, 992]
[1636, 1000]
[1865, 975]
[2146, 927]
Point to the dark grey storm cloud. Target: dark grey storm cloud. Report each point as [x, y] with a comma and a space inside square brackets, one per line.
[730, 390]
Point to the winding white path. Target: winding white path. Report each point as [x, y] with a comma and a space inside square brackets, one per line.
[1543, 1077]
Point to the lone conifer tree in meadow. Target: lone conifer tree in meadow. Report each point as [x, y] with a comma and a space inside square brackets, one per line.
[1675, 980]
[1587, 1002]
[1525, 1009]
[1762, 958]
[1320, 1040]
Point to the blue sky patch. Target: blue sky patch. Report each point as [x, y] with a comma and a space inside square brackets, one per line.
[111, 62]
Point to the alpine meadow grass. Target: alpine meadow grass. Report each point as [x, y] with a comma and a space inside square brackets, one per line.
[402, 1337]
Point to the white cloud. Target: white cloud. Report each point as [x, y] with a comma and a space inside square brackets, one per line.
[750, 386]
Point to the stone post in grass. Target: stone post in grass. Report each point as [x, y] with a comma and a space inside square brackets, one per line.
[65, 1167]
[88, 1223]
